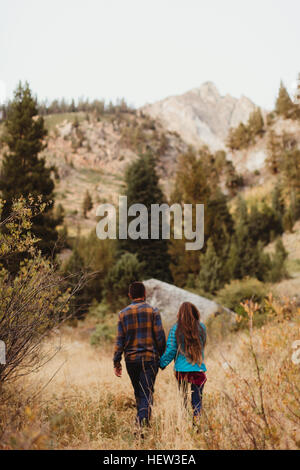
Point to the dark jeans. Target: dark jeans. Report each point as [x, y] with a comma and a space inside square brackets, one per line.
[196, 395]
[142, 375]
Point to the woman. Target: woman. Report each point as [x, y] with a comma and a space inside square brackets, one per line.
[185, 345]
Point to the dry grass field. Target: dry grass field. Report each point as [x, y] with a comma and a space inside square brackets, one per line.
[251, 399]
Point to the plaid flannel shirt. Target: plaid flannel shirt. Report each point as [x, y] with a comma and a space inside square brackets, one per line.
[140, 334]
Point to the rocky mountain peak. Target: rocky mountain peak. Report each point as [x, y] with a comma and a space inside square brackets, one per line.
[207, 91]
[201, 115]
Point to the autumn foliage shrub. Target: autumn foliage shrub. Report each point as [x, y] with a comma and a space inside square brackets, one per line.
[31, 302]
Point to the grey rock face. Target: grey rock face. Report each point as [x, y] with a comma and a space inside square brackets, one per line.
[202, 115]
[168, 298]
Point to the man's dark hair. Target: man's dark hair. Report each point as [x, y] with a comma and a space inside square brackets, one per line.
[137, 290]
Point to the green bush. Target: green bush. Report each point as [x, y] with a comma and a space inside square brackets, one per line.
[98, 310]
[105, 331]
[239, 291]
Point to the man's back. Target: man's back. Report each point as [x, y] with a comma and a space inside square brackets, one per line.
[140, 334]
[142, 340]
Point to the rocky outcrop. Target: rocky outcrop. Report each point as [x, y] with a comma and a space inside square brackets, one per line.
[202, 115]
[253, 159]
[168, 298]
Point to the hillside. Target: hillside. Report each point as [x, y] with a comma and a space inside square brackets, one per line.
[92, 154]
[91, 151]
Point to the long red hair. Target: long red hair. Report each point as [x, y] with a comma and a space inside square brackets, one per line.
[189, 333]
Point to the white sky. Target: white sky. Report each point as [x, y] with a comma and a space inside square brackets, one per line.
[145, 50]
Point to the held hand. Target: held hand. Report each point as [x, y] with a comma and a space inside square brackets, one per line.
[118, 371]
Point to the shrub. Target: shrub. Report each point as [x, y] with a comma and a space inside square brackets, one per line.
[105, 331]
[238, 291]
[99, 310]
[210, 277]
[32, 302]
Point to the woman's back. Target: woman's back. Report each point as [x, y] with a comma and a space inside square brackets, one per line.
[186, 342]
[177, 351]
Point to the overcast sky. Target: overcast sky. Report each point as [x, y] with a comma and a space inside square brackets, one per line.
[147, 50]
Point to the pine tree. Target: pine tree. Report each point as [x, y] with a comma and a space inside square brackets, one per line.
[288, 220]
[274, 152]
[233, 180]
[246, 257]
[143, 188]
[211, 277]
[191, 181]
[126, 270]
[87, 204]
[278, 205]
[191, 186]
[74, 269]
[256, 123]
[284, 105]
[23, 171]
[291, 169]
[239, 137]
[243, 135]
[231, 140]
[196, 182]
[218, 222]
[278, 270]
[263, 223]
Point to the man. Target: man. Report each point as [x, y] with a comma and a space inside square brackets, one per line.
[142, 340]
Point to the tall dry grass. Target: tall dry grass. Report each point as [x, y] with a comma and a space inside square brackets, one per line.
[251, 399]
